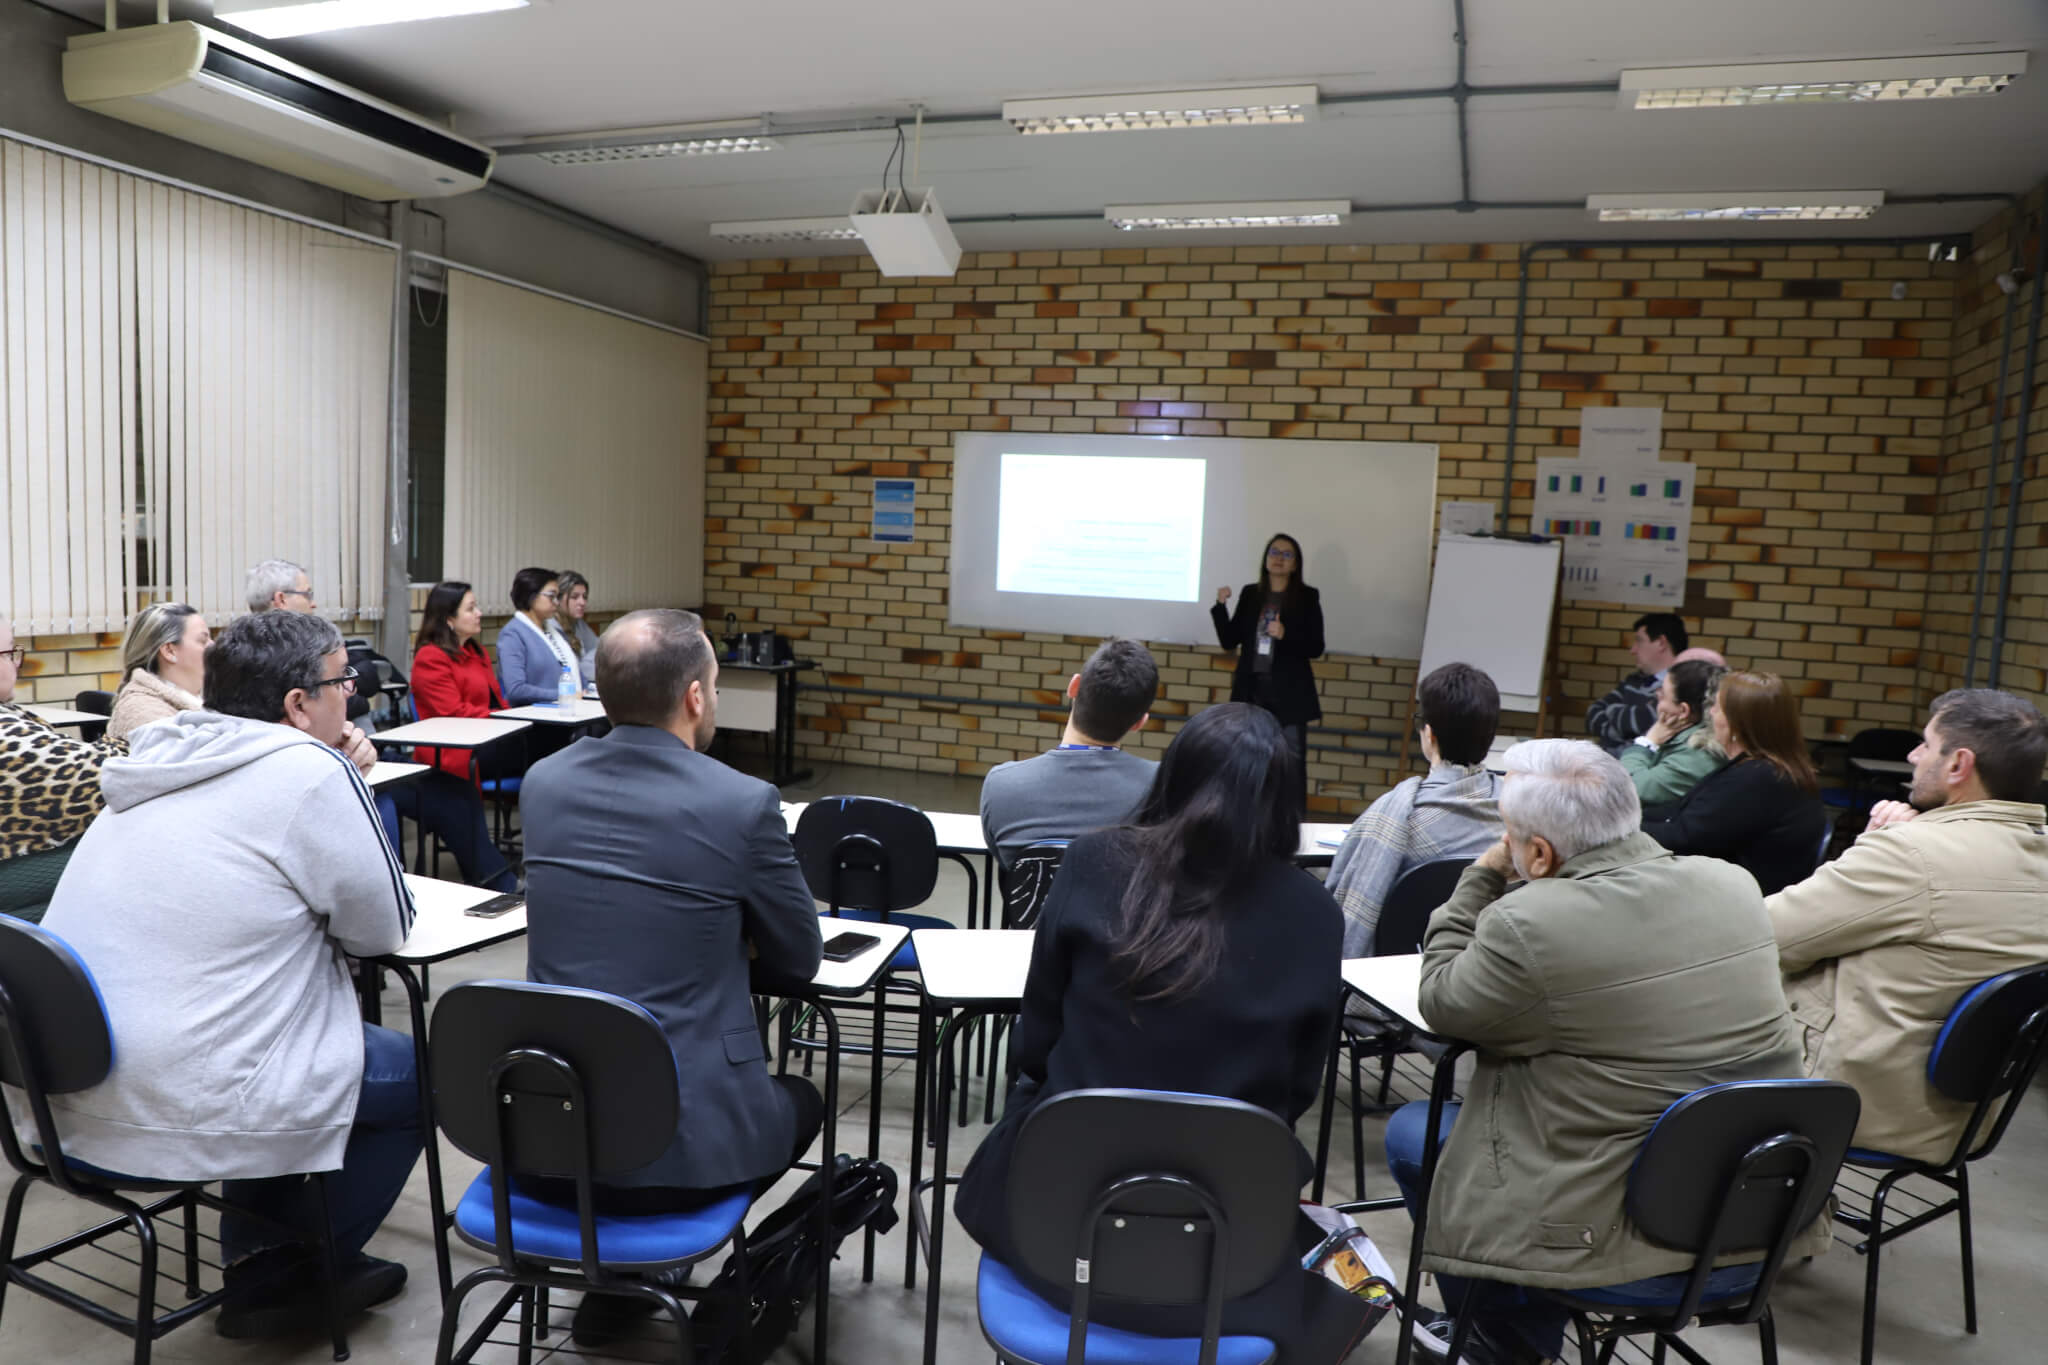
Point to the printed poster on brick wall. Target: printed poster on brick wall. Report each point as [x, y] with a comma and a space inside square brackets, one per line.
[1624, 515]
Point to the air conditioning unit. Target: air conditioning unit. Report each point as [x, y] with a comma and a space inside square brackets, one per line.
[192, 83]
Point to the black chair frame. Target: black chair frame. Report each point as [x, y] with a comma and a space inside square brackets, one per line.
[532, 1279]
[1599, 1325]
[2003, 1086]
[145, 1325]
[1415, 896]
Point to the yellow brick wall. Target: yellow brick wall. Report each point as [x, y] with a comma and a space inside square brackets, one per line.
[1813, 403]
[1980, 335]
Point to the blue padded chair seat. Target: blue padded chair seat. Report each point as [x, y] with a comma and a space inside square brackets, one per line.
[1728, 1282]
[1865, 1156]
[508, 786]
[906, 956]
[1026, 1328]
[549, 1232]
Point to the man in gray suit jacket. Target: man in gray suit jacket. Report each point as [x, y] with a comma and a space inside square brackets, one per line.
[657, 873]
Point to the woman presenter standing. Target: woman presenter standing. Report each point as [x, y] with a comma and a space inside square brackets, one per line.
[1276, 629]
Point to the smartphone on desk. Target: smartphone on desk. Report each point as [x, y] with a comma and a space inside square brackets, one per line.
[848, 946]
[496, 906]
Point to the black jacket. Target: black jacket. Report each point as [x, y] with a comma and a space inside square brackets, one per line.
[1291, 687]
[651, 869]
[1258, 1031]
[1748, 814]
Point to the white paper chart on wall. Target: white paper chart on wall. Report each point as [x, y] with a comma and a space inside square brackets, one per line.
[1625, 516]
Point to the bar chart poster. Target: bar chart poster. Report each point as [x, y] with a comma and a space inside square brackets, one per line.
[1626, 526]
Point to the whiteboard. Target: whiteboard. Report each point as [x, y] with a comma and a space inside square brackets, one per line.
[1363, 512]
[1489, 606]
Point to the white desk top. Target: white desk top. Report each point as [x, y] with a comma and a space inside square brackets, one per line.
[1501, 745]
[858, 974]
[384, 774]
[957, 833]
[960, 832]
[1321, 840]
[63, 715]
[1392, 983]
[451, 732]
[968, 965]
[581, 711]
[1883, 765]
[440, 929]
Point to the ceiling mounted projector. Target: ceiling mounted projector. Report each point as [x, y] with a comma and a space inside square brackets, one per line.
[906, 232]
[193, 83]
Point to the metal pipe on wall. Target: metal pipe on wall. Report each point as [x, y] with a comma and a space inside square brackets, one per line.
[394, 632]
[2019, 454]
[1991, 471]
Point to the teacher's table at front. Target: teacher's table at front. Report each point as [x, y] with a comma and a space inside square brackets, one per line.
[967, 973]
[1394, 985]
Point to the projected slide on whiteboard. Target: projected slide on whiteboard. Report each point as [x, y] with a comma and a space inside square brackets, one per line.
[1137, 533]
[1132, 535]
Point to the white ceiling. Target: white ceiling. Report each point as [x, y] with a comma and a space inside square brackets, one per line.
[584, 66]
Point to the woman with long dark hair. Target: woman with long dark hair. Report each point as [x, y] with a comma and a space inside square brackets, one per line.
[1762, 812]
[1276, 628]
[451, 676]
[1186, 952]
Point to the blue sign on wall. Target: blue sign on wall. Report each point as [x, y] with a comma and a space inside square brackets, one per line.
[895, 516]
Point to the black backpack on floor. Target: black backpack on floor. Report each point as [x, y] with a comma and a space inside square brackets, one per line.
[782, 1255]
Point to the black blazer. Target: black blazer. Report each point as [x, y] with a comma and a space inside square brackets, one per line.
[1259, 1031]
[651, 871]
[1748, 814]
[1291, 695]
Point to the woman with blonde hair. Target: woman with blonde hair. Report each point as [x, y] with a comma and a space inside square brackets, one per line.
[163, 662]
[1762, 812]
[568, 625]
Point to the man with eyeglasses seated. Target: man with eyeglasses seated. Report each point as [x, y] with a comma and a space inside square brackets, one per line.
[49, 792]
[236, 864]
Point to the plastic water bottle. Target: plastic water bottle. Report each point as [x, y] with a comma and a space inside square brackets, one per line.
[566, 692]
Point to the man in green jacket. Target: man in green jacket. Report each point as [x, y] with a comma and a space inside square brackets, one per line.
[1616, 980]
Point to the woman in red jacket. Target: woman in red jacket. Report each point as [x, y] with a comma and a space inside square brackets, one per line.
[451, 676]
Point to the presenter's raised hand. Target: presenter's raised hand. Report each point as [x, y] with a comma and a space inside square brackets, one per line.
[1275, 629]
[1222, 594]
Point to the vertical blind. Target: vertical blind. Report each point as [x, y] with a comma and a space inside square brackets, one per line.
[191, 385]
[575, 440]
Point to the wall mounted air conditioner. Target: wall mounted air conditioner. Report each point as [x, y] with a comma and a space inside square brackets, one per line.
[220, 92]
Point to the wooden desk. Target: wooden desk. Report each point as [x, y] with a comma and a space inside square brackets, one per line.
[967, 973]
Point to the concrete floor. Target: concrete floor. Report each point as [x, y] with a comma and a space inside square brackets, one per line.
[1818, 1305]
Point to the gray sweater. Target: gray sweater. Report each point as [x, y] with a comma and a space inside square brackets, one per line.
[1061, 794]
[213, 900]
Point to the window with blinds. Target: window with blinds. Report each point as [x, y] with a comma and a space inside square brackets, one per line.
[575, 440]
[187, 386]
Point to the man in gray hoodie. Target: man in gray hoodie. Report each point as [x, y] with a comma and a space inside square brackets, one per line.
[238, 861]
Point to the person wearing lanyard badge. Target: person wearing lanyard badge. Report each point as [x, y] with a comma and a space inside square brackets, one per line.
[1277, 629]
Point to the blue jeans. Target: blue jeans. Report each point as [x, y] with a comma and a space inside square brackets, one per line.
[381, 1150]
[1508, 1311]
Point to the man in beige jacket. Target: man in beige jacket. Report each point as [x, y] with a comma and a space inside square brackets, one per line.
[1942, 891]
[1612, 982]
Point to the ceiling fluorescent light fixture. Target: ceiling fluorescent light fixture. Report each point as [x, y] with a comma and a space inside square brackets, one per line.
[1253, 107]
[1856, 82]
[1289, 213]
[1762, 206]
[296, 18]
[647, 151]
[787, 230]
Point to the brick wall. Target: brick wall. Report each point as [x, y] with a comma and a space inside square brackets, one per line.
[1812, 401]
[1980, 335]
